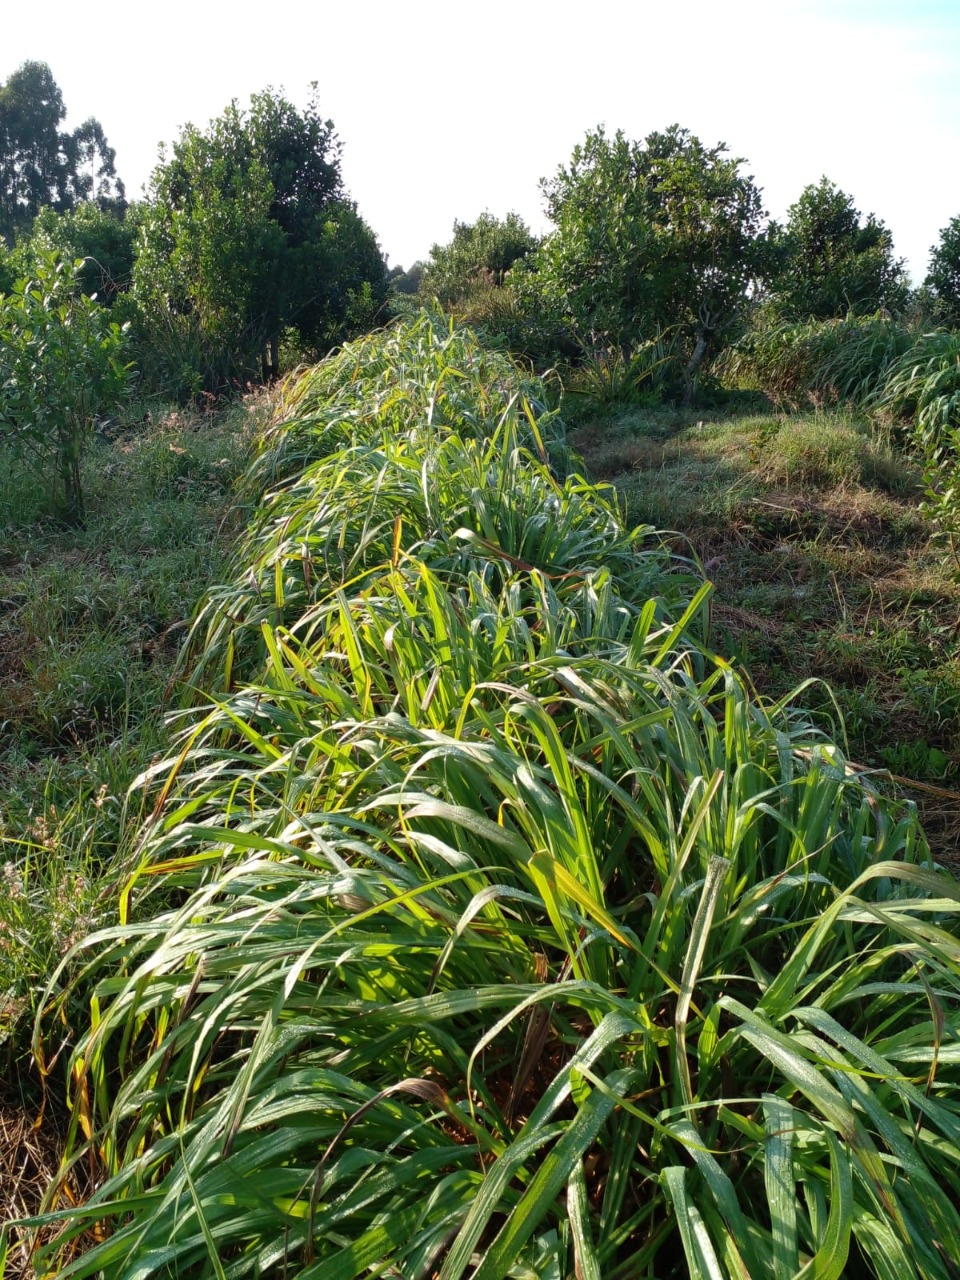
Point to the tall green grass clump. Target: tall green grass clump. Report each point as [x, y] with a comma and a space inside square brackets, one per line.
[615, 378]
[924, 387]
[818, 361]
[495, 929]
[828, 451]
[420, 380]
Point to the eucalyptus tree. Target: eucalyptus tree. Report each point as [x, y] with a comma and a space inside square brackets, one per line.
[42, 164]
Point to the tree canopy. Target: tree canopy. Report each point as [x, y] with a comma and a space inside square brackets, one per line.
[831, 261]
[406, 282]
[43, 165]
[249, 231]
[944, 274]
[664, 233]
[480, 252]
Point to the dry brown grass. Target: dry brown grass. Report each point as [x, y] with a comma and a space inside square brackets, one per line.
[30, 1149]
[32, 1143]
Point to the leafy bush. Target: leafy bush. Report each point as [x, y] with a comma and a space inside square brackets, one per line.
[61, 366]
[663, 234]
[8, 272]
[106, 241]
[943, 277]
[828, 263]
[249, 232]
[497, 932]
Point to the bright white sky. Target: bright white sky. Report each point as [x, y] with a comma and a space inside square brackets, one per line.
[447, 109]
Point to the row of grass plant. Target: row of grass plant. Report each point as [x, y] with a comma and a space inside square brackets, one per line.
[818, 361]
[924, 387]
[421, 441]
[499, 930]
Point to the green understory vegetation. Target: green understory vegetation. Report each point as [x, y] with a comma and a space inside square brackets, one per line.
[91, 621]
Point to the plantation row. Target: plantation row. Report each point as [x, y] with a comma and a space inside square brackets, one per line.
[486, 924]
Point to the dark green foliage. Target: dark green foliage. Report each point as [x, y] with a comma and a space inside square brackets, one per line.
[944, 275]
[42, 165]
[248, 233]
[830, 262]
[663, 234]
[480, 254]
[407, 282]
[106, 241]
[62, 364]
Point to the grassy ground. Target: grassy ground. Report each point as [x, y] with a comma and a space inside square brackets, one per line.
[90, 624]
[825, 570]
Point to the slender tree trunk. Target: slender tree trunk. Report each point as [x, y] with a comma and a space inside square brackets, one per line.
[271, 370]
[704, 332]
[690, 373]
[68, 464]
